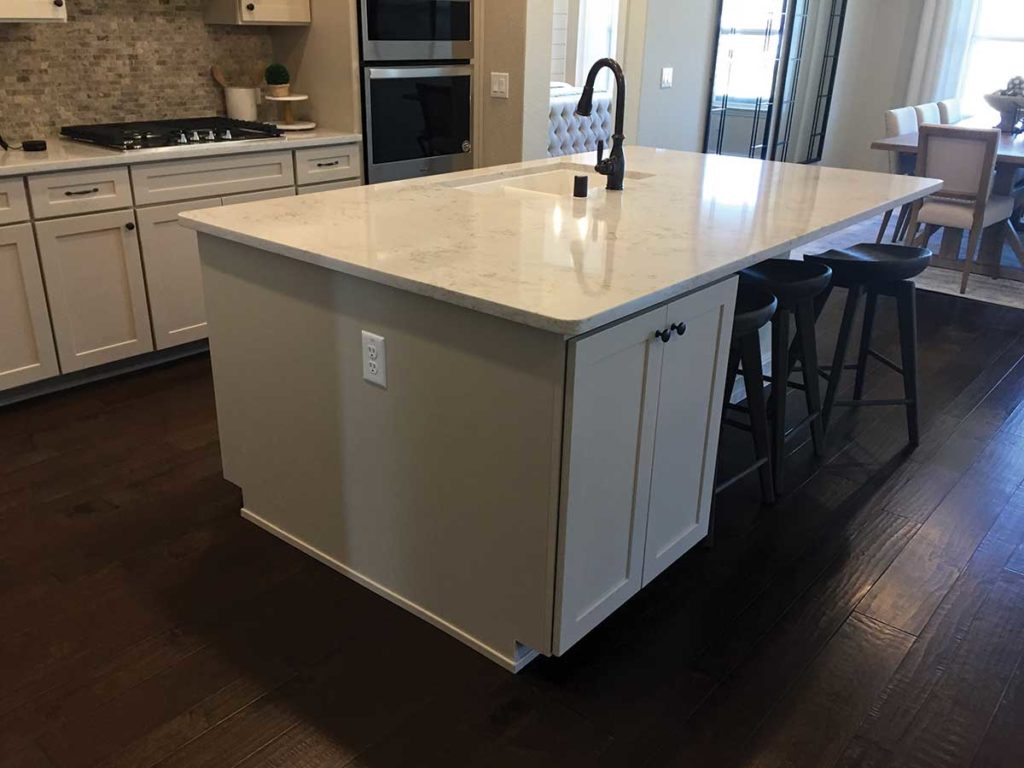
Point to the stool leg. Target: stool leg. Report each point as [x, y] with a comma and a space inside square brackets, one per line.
[753, 376]
[870, 307]
[839, 359]
[809, 359]
[780, 375]
[906, 298]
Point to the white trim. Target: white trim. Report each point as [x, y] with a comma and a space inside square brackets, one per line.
[524, 654]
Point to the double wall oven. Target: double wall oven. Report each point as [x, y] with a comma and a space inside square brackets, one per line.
[417, 87]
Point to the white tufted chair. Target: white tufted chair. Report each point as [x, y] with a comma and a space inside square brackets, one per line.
[570, 134]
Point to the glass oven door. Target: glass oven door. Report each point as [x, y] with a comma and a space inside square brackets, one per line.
[419, 121]
[411, 30]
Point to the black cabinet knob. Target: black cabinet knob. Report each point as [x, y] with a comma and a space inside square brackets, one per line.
[665, 336]
[130, 226]
[679, 328]
[250, 7]
[59, 3]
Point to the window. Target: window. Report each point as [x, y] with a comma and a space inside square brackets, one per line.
[598, 38]
[997, 50]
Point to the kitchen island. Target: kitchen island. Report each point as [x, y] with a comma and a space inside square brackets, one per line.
[528, 435]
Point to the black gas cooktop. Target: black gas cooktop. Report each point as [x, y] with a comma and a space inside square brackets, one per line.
[171, 133]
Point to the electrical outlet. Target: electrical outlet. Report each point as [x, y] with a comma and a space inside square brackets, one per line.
[375, 359]
[666, 77]
[499, 85]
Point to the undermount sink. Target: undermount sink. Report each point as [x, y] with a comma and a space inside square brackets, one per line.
[555, 180]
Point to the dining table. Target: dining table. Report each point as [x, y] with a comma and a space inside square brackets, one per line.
[1008, 182]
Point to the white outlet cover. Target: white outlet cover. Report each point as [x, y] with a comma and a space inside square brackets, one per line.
[666, 77]
[375, 359]
[499, 85]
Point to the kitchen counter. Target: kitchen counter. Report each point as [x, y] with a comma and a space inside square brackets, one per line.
[67, 155]
[559, 264]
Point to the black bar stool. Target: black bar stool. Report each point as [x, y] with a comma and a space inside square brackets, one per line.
[876, 270]
[796, 284]
[755, 308]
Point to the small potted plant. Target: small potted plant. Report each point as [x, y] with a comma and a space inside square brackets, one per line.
[278, 80]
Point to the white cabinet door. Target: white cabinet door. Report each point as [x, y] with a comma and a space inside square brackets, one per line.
[97, 292]
[690, 401]
[610, 413]
[174, 282]
[27, 353]
[34, 10]
[274, 11]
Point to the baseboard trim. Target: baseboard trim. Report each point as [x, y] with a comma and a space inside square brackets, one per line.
[524, 654]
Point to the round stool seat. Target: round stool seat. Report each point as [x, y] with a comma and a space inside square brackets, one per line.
[790, 281]
[755, 307]
[870, 263]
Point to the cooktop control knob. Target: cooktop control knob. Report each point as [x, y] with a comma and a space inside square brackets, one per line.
[182, 138]
[194, 136]
[225, 135]
[211, 136]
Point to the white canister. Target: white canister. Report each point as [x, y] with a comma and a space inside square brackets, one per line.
[242, 103]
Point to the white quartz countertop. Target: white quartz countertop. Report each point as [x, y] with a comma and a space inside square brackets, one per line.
[556, 263]
[66, 155]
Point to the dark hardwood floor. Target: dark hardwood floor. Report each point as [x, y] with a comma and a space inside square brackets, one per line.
[874, 617]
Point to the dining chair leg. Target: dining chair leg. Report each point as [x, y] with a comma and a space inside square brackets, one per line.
[753, 377]
[906, 305]
[780, 388]
[885, 225]
[911, 234]
[809, 361]
[901, 223]
[972, 249]
[867, 331]
[835, 374]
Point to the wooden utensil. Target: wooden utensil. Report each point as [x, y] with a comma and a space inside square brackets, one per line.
[218, 76]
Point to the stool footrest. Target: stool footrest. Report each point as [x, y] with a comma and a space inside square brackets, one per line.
[885, 361]
[736, 478]
[737, 424]
[802, 423]
[871, 403]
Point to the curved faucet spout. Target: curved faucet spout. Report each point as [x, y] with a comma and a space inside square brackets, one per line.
[613, 166]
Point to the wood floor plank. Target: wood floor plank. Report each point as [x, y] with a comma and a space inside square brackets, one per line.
[1003, 743]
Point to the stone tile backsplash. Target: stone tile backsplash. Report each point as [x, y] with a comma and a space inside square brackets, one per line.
[120, 60]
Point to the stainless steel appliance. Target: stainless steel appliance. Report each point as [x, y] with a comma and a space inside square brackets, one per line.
[419, 120]
[170, 133]
[417, 30]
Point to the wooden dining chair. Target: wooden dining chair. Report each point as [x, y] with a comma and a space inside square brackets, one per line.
[928, 114]
[950, 111]
[897, 123]
[965, 160]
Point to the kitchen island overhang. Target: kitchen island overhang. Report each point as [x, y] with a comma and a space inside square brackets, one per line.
[539, 454]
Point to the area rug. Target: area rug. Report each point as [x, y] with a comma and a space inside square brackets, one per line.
[1009, 293]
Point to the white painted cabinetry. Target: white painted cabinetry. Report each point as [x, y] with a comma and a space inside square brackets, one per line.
[34, 10]
[258, 12]
[27, 353]
[97, 292]
[642, 425]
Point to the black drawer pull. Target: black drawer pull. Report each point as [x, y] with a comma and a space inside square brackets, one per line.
[250, 7]
[92, 191]
[130, 226]
[59, 3]
[329, 165]
[679, 328]
[665, 336]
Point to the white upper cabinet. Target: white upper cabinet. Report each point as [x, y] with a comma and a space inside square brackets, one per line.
[258, 12]
[34, 10]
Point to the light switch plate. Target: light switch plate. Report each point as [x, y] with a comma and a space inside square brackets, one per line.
[499, 85]
[375, 359]
[666, 77]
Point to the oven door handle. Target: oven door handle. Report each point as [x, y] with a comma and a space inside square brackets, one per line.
[403, 73]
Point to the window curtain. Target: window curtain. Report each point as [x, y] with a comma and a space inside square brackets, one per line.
[943, 43]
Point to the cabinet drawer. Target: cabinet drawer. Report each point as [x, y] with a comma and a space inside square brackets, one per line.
[176, 180]
[67, 194]
[254, 197]
[314, 188]
[328, 164]
[13, 202]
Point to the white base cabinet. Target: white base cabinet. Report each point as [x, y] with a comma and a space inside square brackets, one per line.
[27, 353]
[642, 425]
[34, 10]
[93, 273]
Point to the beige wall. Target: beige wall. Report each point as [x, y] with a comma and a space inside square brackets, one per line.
[324, 60]
[874, 75]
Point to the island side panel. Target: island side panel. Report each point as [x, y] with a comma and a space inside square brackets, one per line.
[441, 491]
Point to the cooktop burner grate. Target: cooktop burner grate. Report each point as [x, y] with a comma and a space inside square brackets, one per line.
[171, 133]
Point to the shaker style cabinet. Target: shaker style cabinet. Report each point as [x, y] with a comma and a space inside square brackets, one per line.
[27, 353]
[34, 10]
[642, 425]
[258, 12]
[97, 292]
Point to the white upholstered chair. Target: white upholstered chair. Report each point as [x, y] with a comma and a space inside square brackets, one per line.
[928, 114]
[950, 111]
[897, 123]
[965, 160]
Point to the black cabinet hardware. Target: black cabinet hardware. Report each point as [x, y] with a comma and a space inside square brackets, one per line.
[665, 336]
[130, 226]
[92, 191]
[250, 7]
[679, 328]
[328, 165]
